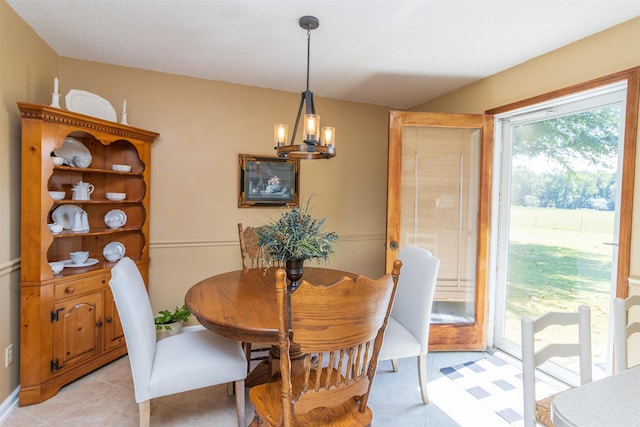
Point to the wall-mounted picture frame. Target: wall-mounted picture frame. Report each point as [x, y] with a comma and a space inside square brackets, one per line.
[267, 181]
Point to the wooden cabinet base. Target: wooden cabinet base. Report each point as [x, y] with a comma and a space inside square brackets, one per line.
[30, 395]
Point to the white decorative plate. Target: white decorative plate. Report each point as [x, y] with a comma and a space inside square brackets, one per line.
[65, 215]
[113, 249]
[81, 101]
[74, 153]
[115, 218]
[87, 263]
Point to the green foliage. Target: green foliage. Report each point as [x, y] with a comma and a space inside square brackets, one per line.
[296, 235]
[166, 317]
[590, 135]
[563, 189]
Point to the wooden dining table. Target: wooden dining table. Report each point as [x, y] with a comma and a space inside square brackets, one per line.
[241, 305]
[611, 401]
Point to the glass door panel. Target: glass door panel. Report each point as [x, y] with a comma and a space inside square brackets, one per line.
[440, 169]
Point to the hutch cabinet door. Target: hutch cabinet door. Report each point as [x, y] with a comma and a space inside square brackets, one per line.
[113, 332]
[77, 332]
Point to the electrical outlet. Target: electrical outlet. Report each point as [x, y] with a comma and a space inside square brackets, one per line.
[8, 356]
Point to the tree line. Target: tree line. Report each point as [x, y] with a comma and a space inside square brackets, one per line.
[564, 189]
[590, 136]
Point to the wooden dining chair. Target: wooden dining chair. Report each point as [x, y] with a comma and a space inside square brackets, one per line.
[340, 329]
[251, 255]
[623, 328]
[250, 252]
[183, 362]
[540, 410]
[408, 332]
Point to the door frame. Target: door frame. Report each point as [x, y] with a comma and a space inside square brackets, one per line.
[463, 336]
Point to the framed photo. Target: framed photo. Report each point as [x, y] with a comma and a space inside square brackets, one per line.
[267, 181]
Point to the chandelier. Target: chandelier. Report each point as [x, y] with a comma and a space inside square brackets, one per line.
[317, 143]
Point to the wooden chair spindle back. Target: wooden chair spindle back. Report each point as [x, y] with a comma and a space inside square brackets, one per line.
[340, 330]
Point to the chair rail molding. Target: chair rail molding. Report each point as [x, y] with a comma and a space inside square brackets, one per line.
[9, 267]
[169, 244]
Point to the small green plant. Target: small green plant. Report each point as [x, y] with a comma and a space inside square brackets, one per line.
[167, 317]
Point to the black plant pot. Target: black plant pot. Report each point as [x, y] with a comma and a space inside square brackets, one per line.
[294, 270]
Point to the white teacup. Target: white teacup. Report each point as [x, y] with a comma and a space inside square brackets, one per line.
[79, 257]
[55, 227]
[56, 266]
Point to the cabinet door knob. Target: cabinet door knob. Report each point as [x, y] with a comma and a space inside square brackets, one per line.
[99, 323]
[109, 319]
[69, 290]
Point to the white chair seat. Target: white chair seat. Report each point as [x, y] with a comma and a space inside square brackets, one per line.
[399, 342]
[212, 359]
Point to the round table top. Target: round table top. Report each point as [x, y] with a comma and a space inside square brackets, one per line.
[611, 401]
[241, 304]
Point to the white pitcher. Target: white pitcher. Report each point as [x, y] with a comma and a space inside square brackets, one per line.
[82, 191]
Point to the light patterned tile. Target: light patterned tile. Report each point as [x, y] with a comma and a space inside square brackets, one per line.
[106, 398]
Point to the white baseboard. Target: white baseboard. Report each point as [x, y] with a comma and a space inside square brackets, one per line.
[8, 405]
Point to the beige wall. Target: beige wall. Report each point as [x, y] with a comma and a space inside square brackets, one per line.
[27, 69]
[610, 51]
[203, 126]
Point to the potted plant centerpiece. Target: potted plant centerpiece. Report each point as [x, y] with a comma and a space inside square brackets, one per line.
[170, 322]
[295, 237]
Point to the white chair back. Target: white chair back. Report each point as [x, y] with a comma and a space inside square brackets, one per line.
[623, 328]
[136, 316]
[532, 358]
[414, 296]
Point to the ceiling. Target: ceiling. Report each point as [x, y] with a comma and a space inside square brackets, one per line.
[395, 53]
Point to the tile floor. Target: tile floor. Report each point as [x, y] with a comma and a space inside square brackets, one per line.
[105, 398]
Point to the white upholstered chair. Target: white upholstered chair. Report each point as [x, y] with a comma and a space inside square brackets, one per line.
[623, 329]
[407, 333]
[541, 410]
[179, 363]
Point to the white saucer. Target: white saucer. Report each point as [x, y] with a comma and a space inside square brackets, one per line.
[115, 218]
[87, 263]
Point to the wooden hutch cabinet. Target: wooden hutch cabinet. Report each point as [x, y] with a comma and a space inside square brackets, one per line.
[69, 323]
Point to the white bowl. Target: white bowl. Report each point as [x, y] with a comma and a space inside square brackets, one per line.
[113, 223]
[121, 168]
[79, 257]
[58, 161]
[57, 195]
[56, 266]
[113, 257]
[55, 227]
[116, 196]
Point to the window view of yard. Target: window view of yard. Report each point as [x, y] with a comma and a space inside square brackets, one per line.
[559, 259]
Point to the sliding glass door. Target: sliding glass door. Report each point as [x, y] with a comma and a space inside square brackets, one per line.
[558, 215]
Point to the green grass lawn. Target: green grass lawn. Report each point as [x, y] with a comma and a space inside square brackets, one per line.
[558, 260]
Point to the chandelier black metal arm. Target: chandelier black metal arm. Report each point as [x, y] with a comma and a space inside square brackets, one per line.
[312, 148]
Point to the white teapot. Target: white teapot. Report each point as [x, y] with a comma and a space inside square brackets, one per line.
[82, 191]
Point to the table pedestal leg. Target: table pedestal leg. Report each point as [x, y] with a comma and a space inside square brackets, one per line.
[270, 367]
